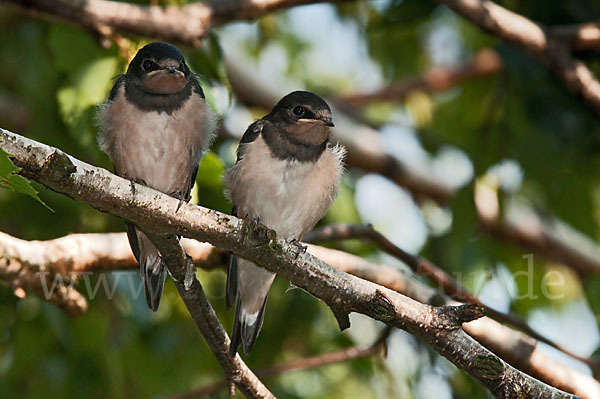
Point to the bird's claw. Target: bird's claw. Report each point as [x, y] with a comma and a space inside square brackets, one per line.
[132, 183]
[251, 221]
[301, 248]
[255, 220]
[179, 205]
[182, 198]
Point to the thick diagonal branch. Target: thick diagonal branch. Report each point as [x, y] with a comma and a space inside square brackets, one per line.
[153, 211]
[101, 252]
[206, 319]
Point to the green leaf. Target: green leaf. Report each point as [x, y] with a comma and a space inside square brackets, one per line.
[87, 74]
[87, 87]
[71, 49]
[208, 61]
[10, 180]
[210, 171]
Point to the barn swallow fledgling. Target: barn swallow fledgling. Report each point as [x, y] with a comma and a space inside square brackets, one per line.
[286, 176]
[155, 127]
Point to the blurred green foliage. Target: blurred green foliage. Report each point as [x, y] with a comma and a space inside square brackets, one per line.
[119, 350]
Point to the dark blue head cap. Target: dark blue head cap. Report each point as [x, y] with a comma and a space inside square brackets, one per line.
[156, 51]
[301, 105]
[302, 98]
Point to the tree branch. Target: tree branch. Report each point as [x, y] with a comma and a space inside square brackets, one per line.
[46, 263]
[580, 37]
[66, 258]
[205, 317]
[484, 63]
[153, 211]
[186, 24]
[550, 49]
[424, 267]
[27, 265]
[544, 235]
[519, 349]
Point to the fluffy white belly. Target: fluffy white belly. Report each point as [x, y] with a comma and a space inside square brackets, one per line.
[287, 196]
[161, 149]
[286, 201]
[157, 152]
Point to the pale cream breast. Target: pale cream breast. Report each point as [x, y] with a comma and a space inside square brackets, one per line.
[288, 196]
[159, 148]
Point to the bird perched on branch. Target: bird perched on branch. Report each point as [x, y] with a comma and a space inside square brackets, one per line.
[155, 127]
[286, 176]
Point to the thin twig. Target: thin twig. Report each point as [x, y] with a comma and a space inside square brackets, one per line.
[309, 362]
[424, 267]
[484, 63]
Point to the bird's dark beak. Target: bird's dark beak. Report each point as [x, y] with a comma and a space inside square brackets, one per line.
[328, 122]
[322, 120]
[172, 70]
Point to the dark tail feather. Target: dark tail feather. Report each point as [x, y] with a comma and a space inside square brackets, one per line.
[152, 268]
[232, 281]
[133, 240]
[154, 276]
[246, 328]
[236, 333]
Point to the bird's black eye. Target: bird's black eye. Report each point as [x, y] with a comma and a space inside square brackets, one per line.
[182, 67]
[148, 65]
[299, 111]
